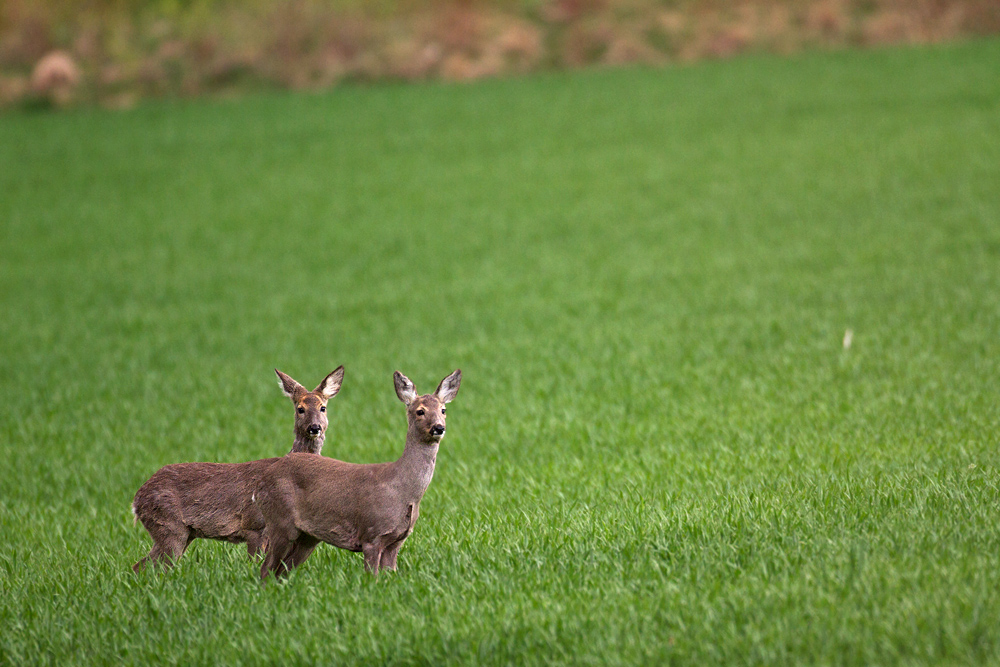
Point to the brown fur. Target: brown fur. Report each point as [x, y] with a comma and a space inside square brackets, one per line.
[370, 508]
[183, 501]
[187, 500]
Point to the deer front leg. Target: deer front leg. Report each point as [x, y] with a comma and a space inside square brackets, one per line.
[373, 554]
[388, 560]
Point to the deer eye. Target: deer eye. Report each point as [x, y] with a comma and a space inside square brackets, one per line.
[322, 408]
[302, 411]
[420, 413]
[443, 411]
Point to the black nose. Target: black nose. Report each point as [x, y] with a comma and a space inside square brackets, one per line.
[437, 429]
[314, 429]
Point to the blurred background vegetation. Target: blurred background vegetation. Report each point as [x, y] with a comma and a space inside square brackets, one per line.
[115, 52]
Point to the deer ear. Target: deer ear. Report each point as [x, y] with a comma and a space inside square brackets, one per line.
[404, 388]
[331, 383]
[288, 385]
[449, 387]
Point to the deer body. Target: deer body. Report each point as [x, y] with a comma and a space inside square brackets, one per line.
[184, 501]
[370, 508]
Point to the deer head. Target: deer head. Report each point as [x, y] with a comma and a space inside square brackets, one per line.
[425, 415]
[310, 408]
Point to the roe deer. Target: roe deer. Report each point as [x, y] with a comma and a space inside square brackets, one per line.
[183, 501]
[369, 508]
[310, 409]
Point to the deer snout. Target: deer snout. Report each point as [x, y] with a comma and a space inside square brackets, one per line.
[437, 430]
[314, 430]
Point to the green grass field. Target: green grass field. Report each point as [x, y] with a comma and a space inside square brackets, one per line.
[662, 451]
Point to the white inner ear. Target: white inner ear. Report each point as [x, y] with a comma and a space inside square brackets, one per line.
[449, 388]
[329, 388]
[331, 384]
[404, 389]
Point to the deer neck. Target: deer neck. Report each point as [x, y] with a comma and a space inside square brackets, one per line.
[308, 445]
[415, 467]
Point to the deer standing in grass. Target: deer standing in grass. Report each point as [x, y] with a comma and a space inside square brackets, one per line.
[183, 501]
[369, 508]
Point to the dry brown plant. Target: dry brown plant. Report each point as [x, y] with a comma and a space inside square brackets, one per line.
[114, 57]
[55, 78]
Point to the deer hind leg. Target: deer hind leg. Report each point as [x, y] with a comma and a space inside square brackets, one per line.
[277, 551]
[170, 540]
[300, 552]
[279, 547]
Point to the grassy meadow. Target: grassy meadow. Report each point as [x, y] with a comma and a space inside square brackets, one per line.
[667, 449]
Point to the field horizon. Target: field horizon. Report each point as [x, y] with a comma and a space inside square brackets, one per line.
[728, 335]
